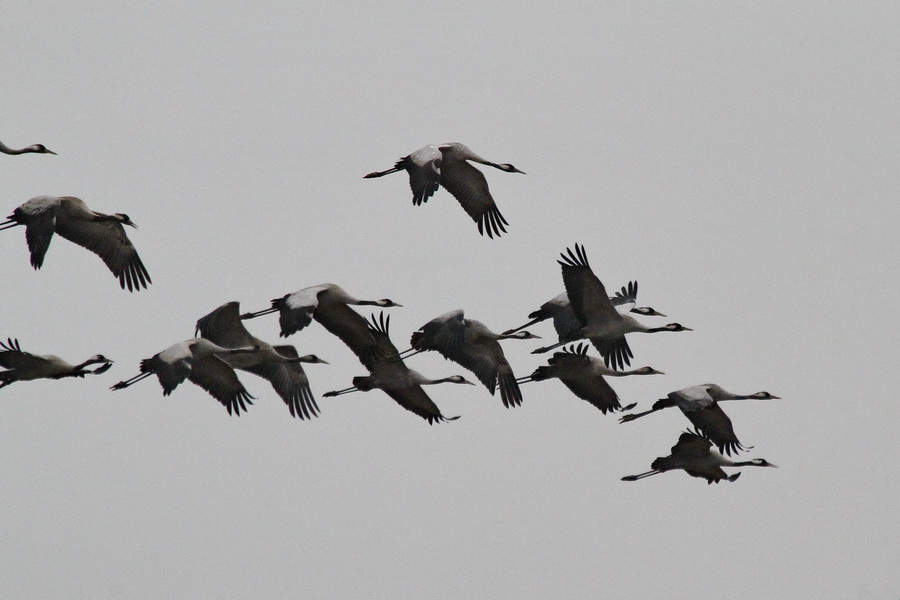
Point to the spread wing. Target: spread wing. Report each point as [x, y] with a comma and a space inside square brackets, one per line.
[626, 295]
[586, 292]
[40, 225]
[595, 390]
[414, 399]
[713, 423]
[352, 329]
[290, 382]
[448, 335]
[215, 376]
[469, 186]
[107, 240]
[490, 366]
[424, 168]
[445, 331]
[224, 327]
[691, 446]
[12, 357]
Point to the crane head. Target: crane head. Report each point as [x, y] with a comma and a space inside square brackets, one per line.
[40, 149]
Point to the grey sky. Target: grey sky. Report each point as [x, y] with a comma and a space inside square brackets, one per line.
[738, 159]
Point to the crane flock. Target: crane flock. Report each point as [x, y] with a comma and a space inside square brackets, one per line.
[583, 312]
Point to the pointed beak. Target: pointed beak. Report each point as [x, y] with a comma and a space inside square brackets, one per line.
[51, 152]
[655, 372]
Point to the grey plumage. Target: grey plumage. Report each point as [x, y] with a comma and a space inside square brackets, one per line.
[391, 375]
[601, 323]
[202, 362]
[280, 365]
[693, 453]
[471, 344]
[700, 404]
[431, 166]
[70, 217]
[24, 366]
[585, 376]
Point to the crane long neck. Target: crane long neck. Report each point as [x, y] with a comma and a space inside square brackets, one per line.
[7, 150]
[614, 373]
[735, 397]
[80, 366]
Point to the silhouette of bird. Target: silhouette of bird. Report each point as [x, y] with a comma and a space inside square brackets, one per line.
[601, 323]
[471, 344]
[694, 454]
[24, 366]
[203, 363]
[566, 322]
[71, 218]
[700, 404]
[585, 376]
[390, 374]
[447, 164]
[326, 303]
[35, 148]
[280, 365]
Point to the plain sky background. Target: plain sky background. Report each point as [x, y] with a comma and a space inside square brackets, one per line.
[738, 159]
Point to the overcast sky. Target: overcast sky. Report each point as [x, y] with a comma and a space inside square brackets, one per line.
[737, 159]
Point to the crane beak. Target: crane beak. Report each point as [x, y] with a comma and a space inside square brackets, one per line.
[47, 151]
